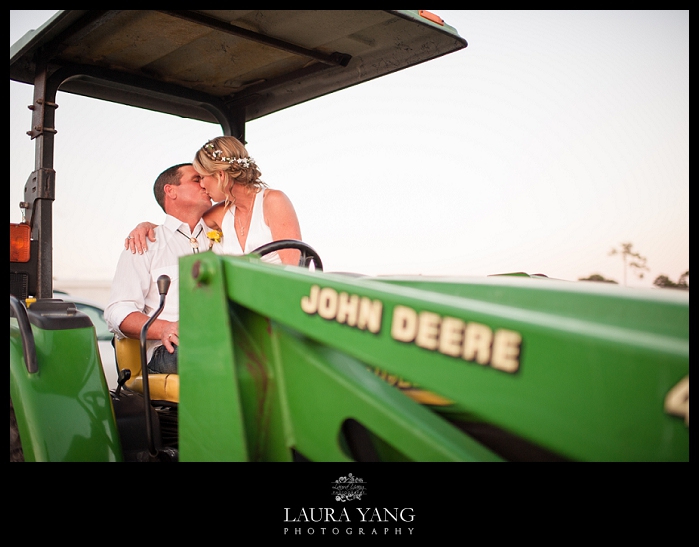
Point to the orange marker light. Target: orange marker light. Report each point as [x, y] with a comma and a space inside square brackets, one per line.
[431, 17]
[20, 235]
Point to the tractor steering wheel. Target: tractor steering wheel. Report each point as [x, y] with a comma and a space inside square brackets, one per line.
[308, 254]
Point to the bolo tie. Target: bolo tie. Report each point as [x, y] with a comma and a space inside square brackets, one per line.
[193, 240]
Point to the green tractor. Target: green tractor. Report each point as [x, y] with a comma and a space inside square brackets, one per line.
[292, 363]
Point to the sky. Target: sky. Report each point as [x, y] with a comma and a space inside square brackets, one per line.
[553, 138]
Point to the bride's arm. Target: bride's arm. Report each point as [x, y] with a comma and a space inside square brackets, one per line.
[283, 223]
[213, 218]
[137, 240]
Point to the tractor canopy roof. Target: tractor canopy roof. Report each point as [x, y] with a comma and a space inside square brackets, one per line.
[225, 65]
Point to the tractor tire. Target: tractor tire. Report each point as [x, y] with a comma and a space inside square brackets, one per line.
[16, 452]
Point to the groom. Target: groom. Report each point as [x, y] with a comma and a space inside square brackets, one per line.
[134, 294]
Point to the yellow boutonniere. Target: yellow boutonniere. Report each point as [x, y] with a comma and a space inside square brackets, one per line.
[215, 236]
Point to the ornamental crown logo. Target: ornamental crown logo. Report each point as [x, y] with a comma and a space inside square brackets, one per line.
[348, 488]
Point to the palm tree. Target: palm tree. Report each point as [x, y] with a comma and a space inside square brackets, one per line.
[637, 262]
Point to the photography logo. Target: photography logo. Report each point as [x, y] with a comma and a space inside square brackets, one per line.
[350, 518]
[348, 488]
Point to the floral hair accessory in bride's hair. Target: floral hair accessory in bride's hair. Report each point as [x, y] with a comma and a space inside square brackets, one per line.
[217, 155]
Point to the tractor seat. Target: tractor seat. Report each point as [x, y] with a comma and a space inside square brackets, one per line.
[163, 387]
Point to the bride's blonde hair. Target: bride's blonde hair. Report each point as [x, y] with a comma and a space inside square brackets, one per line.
[228, 155]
